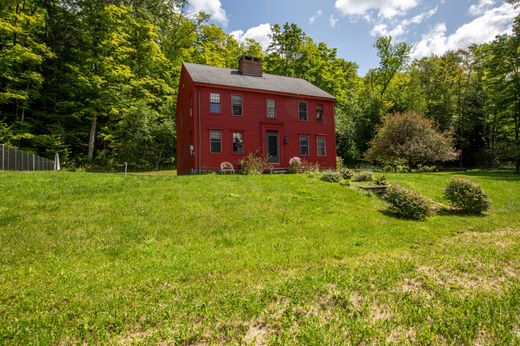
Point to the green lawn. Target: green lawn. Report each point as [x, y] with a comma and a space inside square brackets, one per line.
[97, 258]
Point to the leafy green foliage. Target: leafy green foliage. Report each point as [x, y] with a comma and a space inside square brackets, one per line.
[467, 196]
[407, 204]
[253, 164]
[331, 176]
[362, 176]
[411, 138]
[381, 180]
[346, 173]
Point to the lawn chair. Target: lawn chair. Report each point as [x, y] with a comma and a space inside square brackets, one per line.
[226, 167]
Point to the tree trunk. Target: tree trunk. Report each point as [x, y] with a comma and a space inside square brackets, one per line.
[92, 139]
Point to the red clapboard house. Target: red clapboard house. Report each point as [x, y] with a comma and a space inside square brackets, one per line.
[224, 114]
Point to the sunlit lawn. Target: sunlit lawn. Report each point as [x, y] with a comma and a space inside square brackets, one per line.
[100, 258]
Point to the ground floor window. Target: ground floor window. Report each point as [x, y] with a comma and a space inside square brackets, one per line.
[321, 145]
[215, 141]
[238, 142]
[304, 145]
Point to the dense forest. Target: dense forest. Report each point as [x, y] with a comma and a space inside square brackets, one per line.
[96, 81]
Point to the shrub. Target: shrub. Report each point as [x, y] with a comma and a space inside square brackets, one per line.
[406, 203]
[346, 173]
[403, 169]
[381, 180]
[344, 182]
[466, 195]
[388, 168]
[295, 165]
[309, 167]
[363, 176]
[252, 164]
[331, 177]
[339, 163]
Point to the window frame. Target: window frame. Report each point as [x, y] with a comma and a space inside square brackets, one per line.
[241, 105]
[211, 142]
[300, 137]
[306, 111]
[320, 105]
[318, 137]
[233, 132]
[212, 103]
[267, 109]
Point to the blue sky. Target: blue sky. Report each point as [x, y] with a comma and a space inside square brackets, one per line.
[351, 26]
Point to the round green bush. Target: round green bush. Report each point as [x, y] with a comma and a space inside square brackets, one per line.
[346, 173]
[331, 177]
[407, 204]
[467, 196]
[363, 176]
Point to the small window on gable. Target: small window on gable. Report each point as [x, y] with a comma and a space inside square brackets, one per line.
[321, 146]
[214, 103]
[302, 110]
[215, 138]
[238, 142]
[236, 101]
[319, 112]
[271, 108]
[304, 145]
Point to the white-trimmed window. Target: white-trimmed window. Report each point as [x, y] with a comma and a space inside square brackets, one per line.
[302, 110]
[319, 112]
[238, 142]
[321, 146]
[304, 145]
[214, 103]
[215, 139]
[236, 104]
[271, 108]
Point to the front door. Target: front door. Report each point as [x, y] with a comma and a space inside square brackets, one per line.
[273, 146]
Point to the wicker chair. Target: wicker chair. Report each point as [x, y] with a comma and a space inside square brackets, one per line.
[226, 167]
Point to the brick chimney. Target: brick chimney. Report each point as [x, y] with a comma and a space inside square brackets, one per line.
[250, 66]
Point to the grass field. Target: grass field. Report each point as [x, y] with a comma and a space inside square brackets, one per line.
[97, 258]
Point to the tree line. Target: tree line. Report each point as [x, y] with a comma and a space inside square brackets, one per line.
[97, 80]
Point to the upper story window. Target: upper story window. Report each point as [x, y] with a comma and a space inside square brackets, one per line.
[304, 145]
[238, 142]
[236, 101]
[319, 112]
[215, 139]
[321, 145]
[214, 103]
[302, 110]
[271, 108]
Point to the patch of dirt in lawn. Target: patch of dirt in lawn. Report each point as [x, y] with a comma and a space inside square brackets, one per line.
[257, 334]
[401, 336]
[133, 337]
[504, 238]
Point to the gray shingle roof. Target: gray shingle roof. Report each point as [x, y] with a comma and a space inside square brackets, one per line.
[269, 82]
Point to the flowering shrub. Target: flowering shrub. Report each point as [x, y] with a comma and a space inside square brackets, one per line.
[310, 167]
[295, 165]
[253, 164]
[467, 196]
[346, 173]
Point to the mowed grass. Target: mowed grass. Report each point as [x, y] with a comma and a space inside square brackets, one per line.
[283, 259]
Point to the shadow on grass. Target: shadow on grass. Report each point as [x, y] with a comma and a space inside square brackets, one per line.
[493, 175]
[440, 212]
[399, 217]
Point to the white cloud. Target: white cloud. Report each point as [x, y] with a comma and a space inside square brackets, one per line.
[333, 21]
[211, 7]
[383, 8]
[401, 27]
[258, 33]
[493, 22]
[314, 16]
[480, 8]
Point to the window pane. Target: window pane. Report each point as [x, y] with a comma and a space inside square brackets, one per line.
[236, 100]
[271, 108]
[319, 112]
[214, 105]
[238, 142]
[304, 145]
[320, 146]
[302, 111]
[215, 141]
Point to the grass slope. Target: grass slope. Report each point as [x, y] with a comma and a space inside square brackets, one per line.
[98, 258]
